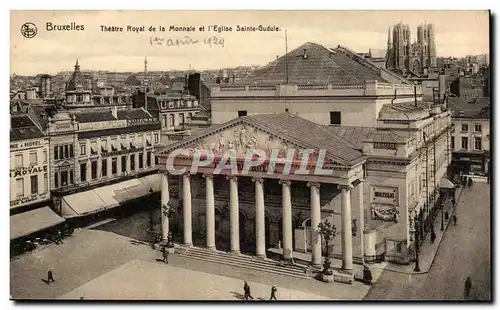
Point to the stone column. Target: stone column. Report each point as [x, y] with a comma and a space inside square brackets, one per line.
[186, 189]
[210, 211]
[165, 198]
[137, 161]
[260, 218]
[89, 171]
[287, 219]
[234, 215]
[358, 193]
[346, 228]
[99, 168]
[108, 166]
[315, 221]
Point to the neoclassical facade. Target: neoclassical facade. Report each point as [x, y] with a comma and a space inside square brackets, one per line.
[259, 210]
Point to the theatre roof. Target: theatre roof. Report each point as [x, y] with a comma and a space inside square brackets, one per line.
[301, 132]
[312, 63]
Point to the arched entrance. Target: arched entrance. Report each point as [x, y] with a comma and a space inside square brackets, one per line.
[306, 224]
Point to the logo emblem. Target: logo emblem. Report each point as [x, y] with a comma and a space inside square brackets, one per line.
[29, 30]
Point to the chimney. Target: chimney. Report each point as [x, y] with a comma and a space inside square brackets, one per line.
[305, 54]
[114, 111]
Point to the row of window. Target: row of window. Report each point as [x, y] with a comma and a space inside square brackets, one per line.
[168, 120]
[179, 104]
[66, 177]
[465, 143]
[33, 185]
[114, 146]
[465, 127]
[64, 151]
[33, 159]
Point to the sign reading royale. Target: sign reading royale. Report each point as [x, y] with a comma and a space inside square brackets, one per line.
[27, 170]
[26, 144]
[142, 121]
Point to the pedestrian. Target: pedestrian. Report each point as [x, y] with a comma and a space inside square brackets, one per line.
[246, 289]
[433, 236]
[454, 219]
[467, 287]
[469, 182]
[273, 293]
[59, 236]
[50, 277]
[446, 215]
[165, 255]
[464, 181]
[292, 261]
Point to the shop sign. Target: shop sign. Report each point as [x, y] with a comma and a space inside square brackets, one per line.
[22, 171]
[384, 195]
[142, 121]
[102, 125]
[26, 144]
[29, 199]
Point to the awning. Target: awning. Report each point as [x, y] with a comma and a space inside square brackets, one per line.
[445, 183]
[26, 223]
[109, 196]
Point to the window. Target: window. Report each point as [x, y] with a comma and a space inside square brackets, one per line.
[61, 151]
[114, 146]
[124, 164]
[45, 157]
[156, 160]
[164, 121]
[132, 141]
[113, 165]
[242, 113]
[19, 160]
[477, 143]
[64, 178]
[104, 168]
[93, 148]
[33, 159]
[157, 138]
[465, 143]
[45, 182]
[56, 180]
[66, 151]
[172, 120]
[465, 127]
[140, 140]
[83, 149]
[452, 143]
[141, 160]
[56, 152]
[20, 187]
[477, 128]
[132, 162]
[93, 169]
[71, 177]
[34, 184]
[148, 159]
[83, 172]
[335, 118]
[104, 146]
[71, 151]
[181, 119]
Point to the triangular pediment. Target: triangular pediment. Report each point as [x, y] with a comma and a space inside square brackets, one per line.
[240, 137]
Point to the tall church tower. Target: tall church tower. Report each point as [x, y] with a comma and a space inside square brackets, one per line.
[388, 57]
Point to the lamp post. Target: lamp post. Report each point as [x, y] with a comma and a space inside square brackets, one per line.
[152, 209]
[442, 214]
[417, 242]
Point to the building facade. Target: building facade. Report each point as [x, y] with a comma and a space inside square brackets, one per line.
[470, 141]
[406, 57]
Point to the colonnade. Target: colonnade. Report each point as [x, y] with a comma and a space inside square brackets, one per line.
[347, 254]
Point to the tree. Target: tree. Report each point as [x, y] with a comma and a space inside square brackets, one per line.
[328, 231]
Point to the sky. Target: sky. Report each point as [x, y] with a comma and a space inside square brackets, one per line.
[457, 33]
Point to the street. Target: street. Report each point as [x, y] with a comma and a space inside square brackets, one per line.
[464, 251]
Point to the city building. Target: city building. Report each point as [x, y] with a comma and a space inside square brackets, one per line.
[29, 178]
[386, 144]
[406, 57]
[470, 141]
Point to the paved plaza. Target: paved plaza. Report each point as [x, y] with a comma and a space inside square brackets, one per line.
[139, 280]
[104, 263]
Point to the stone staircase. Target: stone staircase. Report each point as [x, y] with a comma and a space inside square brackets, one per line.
[247, 262]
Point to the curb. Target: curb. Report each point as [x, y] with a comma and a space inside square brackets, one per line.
[437, 249]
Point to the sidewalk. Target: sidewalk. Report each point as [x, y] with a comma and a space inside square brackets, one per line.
[428, 250]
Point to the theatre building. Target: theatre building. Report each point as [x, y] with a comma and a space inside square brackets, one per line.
[388, 148]
[29, 178]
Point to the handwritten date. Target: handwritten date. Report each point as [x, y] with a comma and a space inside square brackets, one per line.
[212, 41]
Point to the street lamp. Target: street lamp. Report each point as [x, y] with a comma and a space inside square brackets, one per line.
[152, 209]
[417, 243]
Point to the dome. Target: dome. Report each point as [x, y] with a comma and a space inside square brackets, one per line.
[77, 80]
